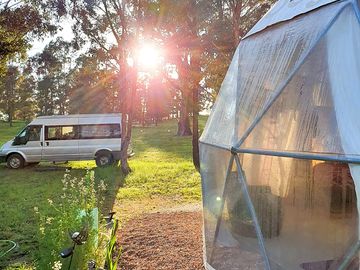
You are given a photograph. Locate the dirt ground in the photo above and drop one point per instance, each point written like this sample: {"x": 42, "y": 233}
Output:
{"x": 164, "y": 240}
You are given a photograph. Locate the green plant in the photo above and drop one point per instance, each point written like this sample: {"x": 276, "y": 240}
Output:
{"x": 111, "y": 262}
{"x": 76, "y": 210}
{"x": 20, "y": 266}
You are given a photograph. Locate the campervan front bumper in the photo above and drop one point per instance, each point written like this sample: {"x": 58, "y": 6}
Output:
{"x": 2, "y": 158}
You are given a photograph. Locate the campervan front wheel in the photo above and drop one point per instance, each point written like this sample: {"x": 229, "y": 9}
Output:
{"x": 15, "y": 161}
{"x": 104, "y": 159}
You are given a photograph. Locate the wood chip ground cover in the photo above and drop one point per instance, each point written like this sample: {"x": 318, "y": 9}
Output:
{"x": 163, "y": 240}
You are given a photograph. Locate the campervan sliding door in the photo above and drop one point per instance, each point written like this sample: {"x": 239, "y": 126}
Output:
{"x": 61, "y": 143}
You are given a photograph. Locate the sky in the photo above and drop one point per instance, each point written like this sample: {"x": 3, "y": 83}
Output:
{"x": 66, "y": 33}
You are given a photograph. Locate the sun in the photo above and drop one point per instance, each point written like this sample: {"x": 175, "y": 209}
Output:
{"x": 149, "y": 56}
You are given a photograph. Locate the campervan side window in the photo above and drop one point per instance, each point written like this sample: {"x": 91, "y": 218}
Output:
{"x": 60, "y": 133}
{"x": 34, "y": 133}
{"x": 100, "y": 131}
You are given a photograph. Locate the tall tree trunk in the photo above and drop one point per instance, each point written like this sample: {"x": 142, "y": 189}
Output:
{"x": 195, "y": 63}
{"x": 10, "y": 118}
{"x": 184, "y": 121}
{"x": 236, "y": 21}
{"x": 125, "y": 168}
{"x": 195, "y": 136}
{"x": 219, "y": 4}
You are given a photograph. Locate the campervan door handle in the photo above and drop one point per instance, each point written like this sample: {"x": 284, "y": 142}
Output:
{"x": 47, "y": 143}
{"x": 41, "y": 143}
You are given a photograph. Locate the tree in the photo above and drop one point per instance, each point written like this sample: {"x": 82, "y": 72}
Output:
{"x": 20, "y": 22}
{"x": 52, "y": 66}
{"x": 185, "y": 24}
{"x": 113, "y": 27}
{"x": 9, "y": 92}
{"x": 26, "y": 107}
{"x": 229, "y": 21}
{"x": 203, "y": 36}
{"x": 93, "y": 89}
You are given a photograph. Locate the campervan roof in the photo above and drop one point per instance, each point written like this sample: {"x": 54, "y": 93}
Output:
{"x": 75, "y": 119}
{"x": 285, "y": 10}
{"x": 80, "y": 116}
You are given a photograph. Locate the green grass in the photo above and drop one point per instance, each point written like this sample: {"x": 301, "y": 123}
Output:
{"x": 162, "y": 165}
{"x": 163, "y": 175}
{"x": 7, "y": 132}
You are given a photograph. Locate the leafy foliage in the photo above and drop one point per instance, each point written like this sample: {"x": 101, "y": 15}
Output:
{"x": 111, "y": 262}
{"x": 52, "y": 67}
{"x": 20, "y": 22}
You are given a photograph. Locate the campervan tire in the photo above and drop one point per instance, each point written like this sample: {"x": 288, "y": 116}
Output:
{"x": 103, "y": 159}
{"x": 15, "y": 161}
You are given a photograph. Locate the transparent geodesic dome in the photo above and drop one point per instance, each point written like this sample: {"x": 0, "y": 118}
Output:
{"x": 281, "y": 148}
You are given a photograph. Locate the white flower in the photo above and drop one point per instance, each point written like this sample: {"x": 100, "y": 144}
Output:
{"x": 72, "y": 183}
{"x": 50, "y": 202}
{"x": 49, "y": 220}
{"x": 57, "y": 265}
{"x": 102, "y": 185}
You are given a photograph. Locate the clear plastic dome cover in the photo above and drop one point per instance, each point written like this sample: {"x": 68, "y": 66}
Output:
{"x": 280, "y": 150}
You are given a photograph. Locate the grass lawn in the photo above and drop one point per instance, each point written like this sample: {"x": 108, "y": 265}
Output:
{"x": 163, "y": 175}
{"x": 7, "y": 132}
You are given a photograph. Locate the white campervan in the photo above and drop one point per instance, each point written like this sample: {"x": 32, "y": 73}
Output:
{"x": 66, "y": 138}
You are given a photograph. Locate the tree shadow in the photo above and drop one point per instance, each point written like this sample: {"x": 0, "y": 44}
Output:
{"x": 114, "y": 179}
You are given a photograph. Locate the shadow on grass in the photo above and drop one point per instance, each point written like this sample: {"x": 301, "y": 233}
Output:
{"x": 114, "y": 179}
